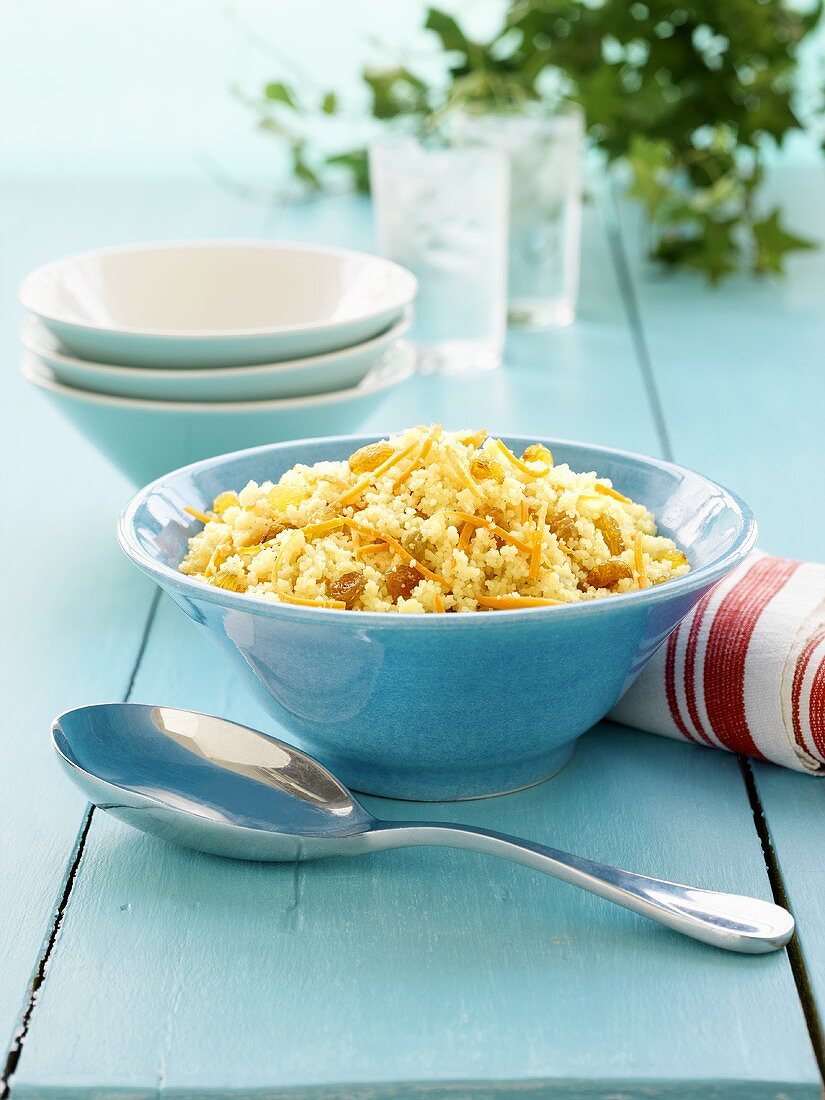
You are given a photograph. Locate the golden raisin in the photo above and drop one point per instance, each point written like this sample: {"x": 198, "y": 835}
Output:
{"x": 275, "y": 528}
{"x": 282, "y": 496}
{"x": 611, "y": 534}
{"x": 676, "y": 557}
{"x": 224, "y": 501}
{"x": 369, "y": 458}
{"x": 401, "y": 580}
{"x": 231, "y": 582}
{"x": 347, "y": 588}
{"x": 537, "y": 452}
{"x": 608, "y": 573}
{"x": 417, "y": 545}
{"x": 482, "y": 467}
{"x": 563, "y": 527}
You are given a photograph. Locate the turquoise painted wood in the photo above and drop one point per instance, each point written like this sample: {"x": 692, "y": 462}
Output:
{"x": 74, "y": 613}
{"x": 743, "y": 388}
{"x": 430, "y": 972}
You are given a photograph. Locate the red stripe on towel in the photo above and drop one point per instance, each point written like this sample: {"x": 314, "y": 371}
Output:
{"x": 816, "y": 707}
{"x": 802, "y": 662}
{"x": 727, "y": 649}
{"x": 670, "y": 685}
{"x": 690, "y": 666}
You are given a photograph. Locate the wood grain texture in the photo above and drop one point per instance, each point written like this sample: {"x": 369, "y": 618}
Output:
{"x": 741, "y": 378}
{"x": 74, "y": 611}
{"x": 430, "y": 973}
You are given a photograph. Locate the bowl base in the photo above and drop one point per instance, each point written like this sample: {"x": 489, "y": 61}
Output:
{"x": 495, "y": 783}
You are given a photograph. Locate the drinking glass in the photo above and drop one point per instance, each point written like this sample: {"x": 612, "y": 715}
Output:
{"x": 443, "y": 213}
{"x": 544, "y": 151}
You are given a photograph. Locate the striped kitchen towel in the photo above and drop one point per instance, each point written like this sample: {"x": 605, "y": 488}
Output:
{"x": 745, "y": 671}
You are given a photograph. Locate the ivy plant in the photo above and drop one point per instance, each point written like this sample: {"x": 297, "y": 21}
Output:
{"x": 688, "y": 95}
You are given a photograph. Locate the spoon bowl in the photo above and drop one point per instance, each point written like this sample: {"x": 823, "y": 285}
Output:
{"x": 206, "y": 783}
{"x": 210, "y": 784}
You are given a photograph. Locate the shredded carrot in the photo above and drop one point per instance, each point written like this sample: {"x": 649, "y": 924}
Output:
{"x": 538, "y": 543}
{"x": 476, "y": 439}
{"x": 491, "y": 525}
{"x": 402, "y": 551}
{"x": 463, "y": 474}
{"x": 466, "y": 533}
{"x": 356, "y": 490}
{"x": 370, "y": 548}
{"x": 316, "y": 530}
{"x": 639, "y": 561}
{"x": 338, "y": 605}
{"x": 525, "y": 469}
{"x": 277, "y": 563}
{"x": 525, "y": 511}
{"x": 439, "y": 603}
{"x": 218, "y": 557}
{"x": 417, "y": 459}
{"x": 607, "y": 491}
{"x": 514, "y": 602}
{"x": 202, "y": 516}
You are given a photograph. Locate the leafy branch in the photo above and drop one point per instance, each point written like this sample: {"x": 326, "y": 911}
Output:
{"x": 686, "y": 95}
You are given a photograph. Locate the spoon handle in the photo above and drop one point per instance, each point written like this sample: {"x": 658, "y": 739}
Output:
{"x": 730, "y": 921}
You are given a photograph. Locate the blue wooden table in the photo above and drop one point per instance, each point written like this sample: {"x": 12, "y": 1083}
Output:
{"x": 129, "y": 968}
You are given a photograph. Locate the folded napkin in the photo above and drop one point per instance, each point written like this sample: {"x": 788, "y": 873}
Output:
{"x": 745, "y": 671}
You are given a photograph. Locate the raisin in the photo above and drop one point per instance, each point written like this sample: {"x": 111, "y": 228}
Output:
{"x": 482, "y": 467}
{"x": 537, "y": 453}
{"x": 418, "y": 546}
{"x": 607, "y": 573}
{"x": 347, "y": 588}
{"x": 563, "y": 527}
{"x": 610, "y": 533}
{"x": 401, "y": 580}
{"x": 369, "y": 458}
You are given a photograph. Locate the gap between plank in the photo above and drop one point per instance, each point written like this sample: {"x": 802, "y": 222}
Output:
{"x": 634, "y": 317}
{"x": 629, "y": 298}
{"x": 780, "y": 896}
{"x": 16, "y": 1050}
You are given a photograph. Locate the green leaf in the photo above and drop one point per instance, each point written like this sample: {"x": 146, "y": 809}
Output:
{"x": 396, "y": 92}
{"x": 713, "y": 252}
{"x": 445, "y": 26}
{"x": 277, "y": 92}
{"x": 772, "y": 243}
{"x": 302, "y": 168}
{"x": 357, "y": 163}
{"x": 329, "y": 104}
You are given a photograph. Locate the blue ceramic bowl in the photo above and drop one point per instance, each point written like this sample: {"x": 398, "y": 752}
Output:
{"x": 143, "y": 438}
{"x": 440, "y": 706}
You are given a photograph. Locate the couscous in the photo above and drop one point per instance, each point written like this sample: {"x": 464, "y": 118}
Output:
{"x": 431, "y": 521}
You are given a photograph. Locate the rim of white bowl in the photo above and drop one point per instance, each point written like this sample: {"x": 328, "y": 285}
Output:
{"x": 400, "y": 367}
{"x": 29, "y": 339}
{"x": 698, "y": 578}
{"x": 408, "y": 282}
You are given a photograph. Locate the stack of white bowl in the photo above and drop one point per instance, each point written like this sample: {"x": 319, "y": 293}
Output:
{"x": 166, "y": 354}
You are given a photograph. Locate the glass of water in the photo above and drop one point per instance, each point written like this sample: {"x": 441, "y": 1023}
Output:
{"x": 443, "y": 213}
{"x": 545, "y": 151}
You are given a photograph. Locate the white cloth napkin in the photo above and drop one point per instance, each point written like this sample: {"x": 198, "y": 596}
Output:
{"x": 745, "y": 671}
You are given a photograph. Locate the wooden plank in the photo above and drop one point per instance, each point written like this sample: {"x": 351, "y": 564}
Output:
{"x": 74, "y": 611}
{"x": 407, "y": 972}
{"x": 740, "y": 374}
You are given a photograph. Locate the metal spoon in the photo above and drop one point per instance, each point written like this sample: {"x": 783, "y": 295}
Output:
{"x": 212, "y": 785}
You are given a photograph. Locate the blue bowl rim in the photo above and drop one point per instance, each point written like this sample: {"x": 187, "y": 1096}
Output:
{"x": 168, "y": 577}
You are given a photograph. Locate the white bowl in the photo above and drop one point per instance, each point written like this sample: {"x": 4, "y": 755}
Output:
{"x": 294, "y": 378}
{"x": 147, "y": 438}
{"x": 216, "y": 303}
